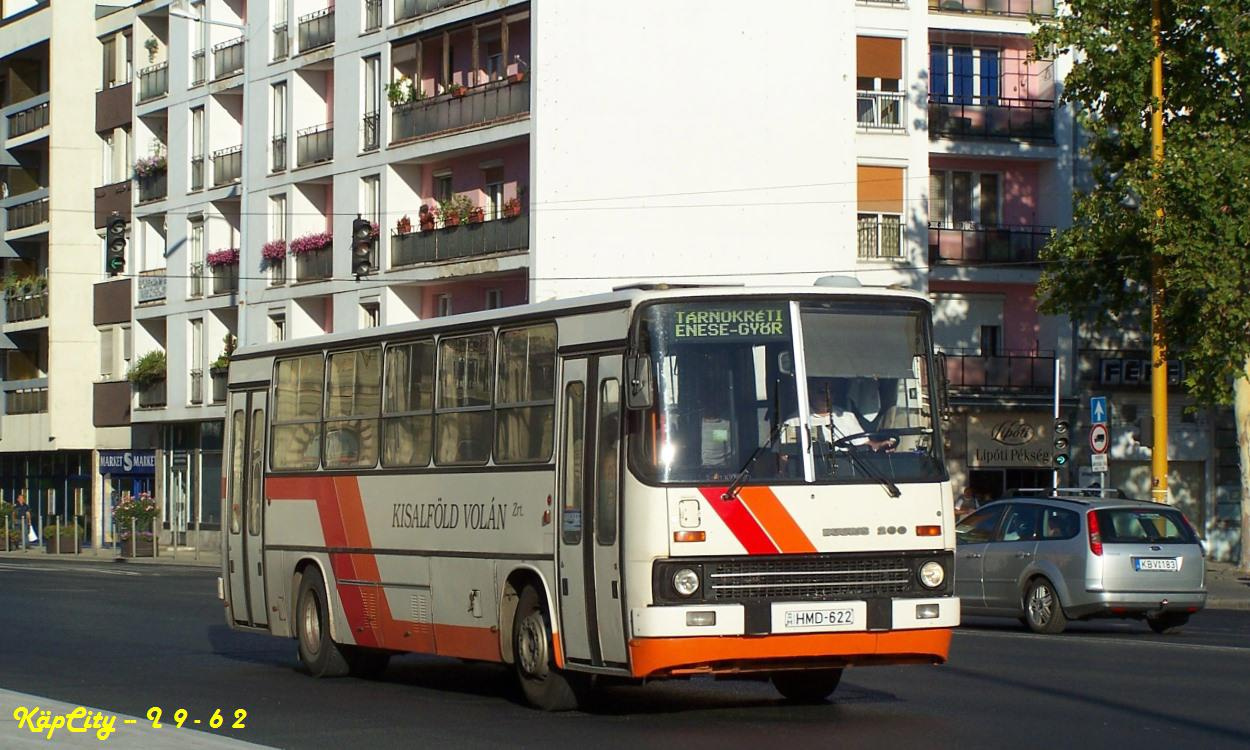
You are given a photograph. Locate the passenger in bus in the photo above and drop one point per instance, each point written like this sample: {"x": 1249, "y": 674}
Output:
{"x": 715, "y": 430}
{"x": 843, "y": 407}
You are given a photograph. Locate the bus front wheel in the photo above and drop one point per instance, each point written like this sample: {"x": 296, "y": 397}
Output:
{"x": 318, "y": 653}
{"x": 543, "y": 685}
{"x": 810, "y": 686}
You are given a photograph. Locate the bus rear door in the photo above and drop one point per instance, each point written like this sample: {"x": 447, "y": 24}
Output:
{"x": 245, "y": 511}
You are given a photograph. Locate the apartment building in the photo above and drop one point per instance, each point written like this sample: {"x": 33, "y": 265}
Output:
{"x": 48, "y": 252}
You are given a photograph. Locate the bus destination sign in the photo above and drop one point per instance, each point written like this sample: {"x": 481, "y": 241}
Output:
{"x": 730, "y": 323}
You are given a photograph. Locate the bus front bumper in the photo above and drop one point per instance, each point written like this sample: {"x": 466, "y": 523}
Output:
{"x": 675, "y": 640}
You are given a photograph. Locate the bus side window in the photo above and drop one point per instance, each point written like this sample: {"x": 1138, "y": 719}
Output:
{"x": 574, "y": 442}
{"x": 525, "y": 399}
{"x": 353, "y": 399}
{"x": 462, "y": 414}
{"x": 237, "y": 433}
{"x": 296, "y": 434}
{"x": 608, "y": 472}
{"x": 407, "y": 405}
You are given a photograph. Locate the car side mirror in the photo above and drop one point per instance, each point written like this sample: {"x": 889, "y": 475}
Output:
{"x": 638, "y": 381}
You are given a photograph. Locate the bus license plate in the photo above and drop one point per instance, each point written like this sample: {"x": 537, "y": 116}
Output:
{"x": 1156, "y": 563}
{"x": 815, "y": 617}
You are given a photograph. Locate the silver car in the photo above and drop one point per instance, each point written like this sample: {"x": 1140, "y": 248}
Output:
{"x": 1047, "y": 560}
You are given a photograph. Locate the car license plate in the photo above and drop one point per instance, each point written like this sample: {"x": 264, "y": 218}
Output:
{"x": 820, "y": 618}
{"x": 1156, "y": 563}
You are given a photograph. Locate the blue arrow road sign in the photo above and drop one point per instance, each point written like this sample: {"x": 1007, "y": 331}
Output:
{"x": 1098, "y": 409}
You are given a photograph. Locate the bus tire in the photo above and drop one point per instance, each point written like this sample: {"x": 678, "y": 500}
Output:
{"x": 543, "y": 686}
{"x": 317, "y": 652}
{"x": 807, "y": 686}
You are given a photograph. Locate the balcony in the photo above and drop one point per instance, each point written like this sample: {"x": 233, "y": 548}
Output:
{"x": 26, "y": 396}
{"x": 373, "y": 15}
{"x": 152, "y": 187}
{"x": 406, "y": 9}
{"x": 150, "y": 286}
{"x": 31, "y": 305}
{"x": 110, "y": 403}
{"x": 314, "y": 145}
{"x": 465, "y": 241}
{"x": 153, "y": 396}
{"x": 28, "y": 120}
{"x": 369, "y": 131}
{"x": 113, "y": 106}
{"x": 1019, "y": 8}
{"x": 197, "y": 173}
{"x": 227, "y": 165}
{"x": 199, "y": 67}
{"x": 879, "y": 110}
{"x": 1008, "y": 119}
{"x": 28, "y": 214}
{"x": 281, "y": 41}
{"x": 316, "y": 29}
{"x": 110, "y": 199}
{"x": 279, "y": 154}
{"x": 153, "y": 82}
{"x": 225, "y": 278}
{"x": 479, "y": 105}
{"x": 316, "y": 265}
{"x": 986, "y": 245}
{"x": 227, "y": 58}
{"x": 1011, "y": 371}
{"x": 197, "y": 387}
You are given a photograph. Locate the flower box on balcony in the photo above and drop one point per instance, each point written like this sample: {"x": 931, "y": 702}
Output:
{"x": 512, "y": 208}
{"x": 310, "y": 243}
{"x": 516, "y": 77}
{"x": 273, "y": 252}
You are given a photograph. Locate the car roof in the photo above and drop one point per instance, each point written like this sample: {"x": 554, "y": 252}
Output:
{"x": 1084, "y": 496}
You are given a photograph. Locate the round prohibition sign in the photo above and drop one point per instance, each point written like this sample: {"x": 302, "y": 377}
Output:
{"x": 1099, "y": 438}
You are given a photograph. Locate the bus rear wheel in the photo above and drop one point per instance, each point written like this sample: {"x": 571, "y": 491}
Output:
{"x": 317, "y": 652}
{"x": 543, "y": 685}
{"x": 809, "y": 686}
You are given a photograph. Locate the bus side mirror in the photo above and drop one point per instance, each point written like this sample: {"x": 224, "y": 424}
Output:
{"x": 944, "y": 388}
{"x": 638, "y": 381}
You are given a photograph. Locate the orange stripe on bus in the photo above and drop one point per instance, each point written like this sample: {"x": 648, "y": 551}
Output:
{"x": 712, "y": 654}
{"x": 467, "y": 642}
{"x": 775, "y": 519}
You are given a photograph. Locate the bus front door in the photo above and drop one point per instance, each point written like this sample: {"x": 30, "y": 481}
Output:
{"x": 245, "y": 508}
{"x": 591, "y": 596}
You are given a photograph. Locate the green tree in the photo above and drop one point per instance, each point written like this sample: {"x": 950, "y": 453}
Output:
{"x": 1203, "y": 189}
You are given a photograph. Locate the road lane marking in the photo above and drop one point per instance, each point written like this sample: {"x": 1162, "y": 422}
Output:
{"x": 1080, "y": 638}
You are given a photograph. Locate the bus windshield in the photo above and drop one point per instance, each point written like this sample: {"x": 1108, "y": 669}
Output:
{"x": 817, "y": 391}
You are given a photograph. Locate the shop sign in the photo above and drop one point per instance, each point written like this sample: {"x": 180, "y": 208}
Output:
{"x": 127, "y": 462}
{"x": 1135, "y": 372}
{"x": 1009, "y": 440}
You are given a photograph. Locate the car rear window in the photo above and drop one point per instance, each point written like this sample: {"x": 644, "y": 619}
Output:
{"x": 1143, "y": 526}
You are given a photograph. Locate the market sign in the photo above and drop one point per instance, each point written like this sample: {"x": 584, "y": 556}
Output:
{"x": 128, "y": 462}
{"x": 1010, "y": 440}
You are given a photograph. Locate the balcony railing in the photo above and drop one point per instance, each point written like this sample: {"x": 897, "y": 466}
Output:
{"x": 373, "y": 15}
{"x": 195, "y": 280}
{"x": 281, "y": 41}
{"x": 199, "y": 67}
{"x": 28, "y": 214}
{"x": 152, "y": 396}
{"x": 279, "y": 154}
{"x": 31, "y": 306}
{"x": 151, "y": 286}
{"x": 405, "y": 9}
{"x": 369, "y": 131}
{"x": 316, "y": 29}
{"x": 880, "y": 236}
{"x": 1001, "y": 371}
{"x": 314, "y": 145}
{"x": 1019, "y": 119}
{"x": 480, "y": 105}
{"x": 879, "y": 110}
{"x": 28, "y": 120}
{"x": 317, "y": 265}
{"x": 986, "y": 245}
{"x": 197, "y": 387}
{"x": 152, "y": 187}
{"x": 465, "y": 241}
{"x": 21, "y": 399}
{"x": 153, "y": 82}
{"x": 225, "y": 279}
{"x": 197, "y": 172}
{"x": 227, "y": 58}
{"x": 227, "y": 165}
{"x": 1022, "y": 8}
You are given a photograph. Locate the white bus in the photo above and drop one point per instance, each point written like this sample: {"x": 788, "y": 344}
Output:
{"x": 651, "y": 483}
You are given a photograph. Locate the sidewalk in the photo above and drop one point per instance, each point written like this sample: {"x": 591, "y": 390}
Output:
{"x": 1227, "y": 587}
{"x": 168, "y": 556}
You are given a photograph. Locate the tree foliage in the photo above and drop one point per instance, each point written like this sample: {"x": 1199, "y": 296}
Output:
{"x": 1101, "y": 266}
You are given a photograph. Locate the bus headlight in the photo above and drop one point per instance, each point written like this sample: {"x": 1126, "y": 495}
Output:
{"x": 932, "y": 574}
{"x": 686, "y": 582}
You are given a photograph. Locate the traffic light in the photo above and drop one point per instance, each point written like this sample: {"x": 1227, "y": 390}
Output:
{"x": 1061, "y": 443}
{"x": 362, "y": 246}
{"x": 115, "y": 244}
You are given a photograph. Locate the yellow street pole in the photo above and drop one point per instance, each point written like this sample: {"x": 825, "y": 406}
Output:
{"x": 1158, "y": 341}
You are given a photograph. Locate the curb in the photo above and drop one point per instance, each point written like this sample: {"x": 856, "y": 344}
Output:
{"x": 1228, "y": 604}
{"x": 164, "y": 560}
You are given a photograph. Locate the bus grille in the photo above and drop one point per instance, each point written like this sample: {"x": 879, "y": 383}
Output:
{"x": 814, "y": 578}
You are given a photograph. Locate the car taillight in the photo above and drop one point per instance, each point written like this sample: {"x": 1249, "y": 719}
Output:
{"x": 1095, "y": 538}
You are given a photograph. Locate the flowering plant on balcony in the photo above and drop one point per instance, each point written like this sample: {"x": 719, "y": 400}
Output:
{"x": 147, "y": 166}
{"x": 455, "y": 89}
{"x": 273, "y": 251}
{"x": 512, "y": 208}
{"x": 148, "y": 370}
{"x": 311, "y": 243}
{"x": 426, "y": 217}
{"x": 404, "y": 225}
{"x": 477, "y": 215}
{"x": 226, "y": 257}
{"x": 455, "y": 210}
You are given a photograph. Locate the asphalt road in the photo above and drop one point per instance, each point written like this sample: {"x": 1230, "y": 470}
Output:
{"x": 127, "y": 638}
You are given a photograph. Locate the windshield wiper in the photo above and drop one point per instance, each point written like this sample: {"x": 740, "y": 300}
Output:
{"x": 852, "y": 452}
{"x": 745, "y": 472}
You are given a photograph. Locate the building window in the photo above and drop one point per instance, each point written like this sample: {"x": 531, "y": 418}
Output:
{"x": 494, "y": 60}
{"x": 276, "y": 266}
{"x": 963, "y": 75}
{"x": 879, "y": 82}
{"x": 444, "y": 305}
{"x": 109, "y": 157}
{"x": 880, "y": 215}
{"x": 195, "y": 357}
{"x": 278, "y": 132}
{"x": 107, "y": 358}
{"x": 372, "y": 93}
{"x": 492, "y": 177}
{"x": 990, "y": 338}
{"x": 195, "y": 259}
{"x": 370, "y": 314}
{"x": 965, "y": 200}
{"x": 442, "y": 186}
{"x": 197, "y": 148}
{"x": 277, "y": 327}
{"x": 494, "y": 299}
{"x": 110, "y": 62}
